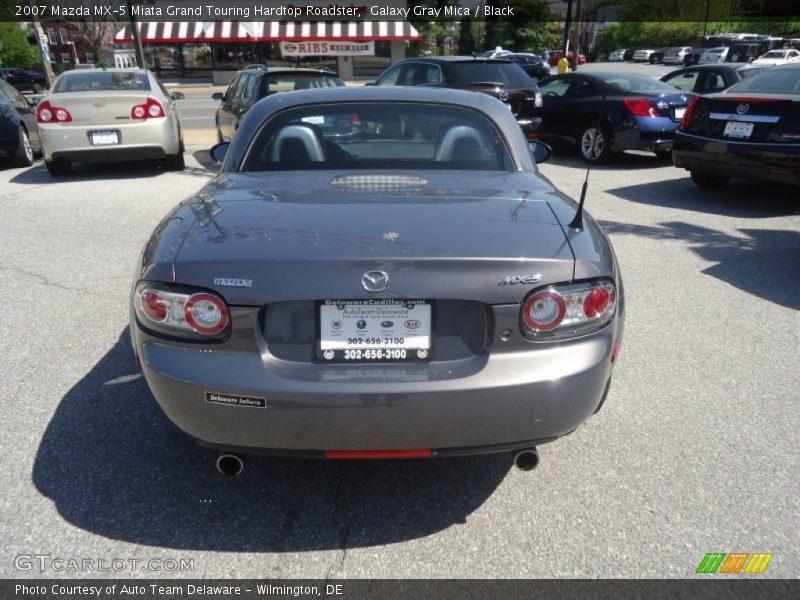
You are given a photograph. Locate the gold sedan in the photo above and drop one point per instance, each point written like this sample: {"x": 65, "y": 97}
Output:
{"x": 109, "y": 115}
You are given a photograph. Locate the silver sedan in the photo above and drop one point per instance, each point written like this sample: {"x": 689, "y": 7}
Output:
{"x": 109, "y": 115}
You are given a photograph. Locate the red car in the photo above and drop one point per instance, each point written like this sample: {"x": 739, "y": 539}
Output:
{"x": 555, "y": 56}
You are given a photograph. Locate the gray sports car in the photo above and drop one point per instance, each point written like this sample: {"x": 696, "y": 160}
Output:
{"x": 377, "y": 273}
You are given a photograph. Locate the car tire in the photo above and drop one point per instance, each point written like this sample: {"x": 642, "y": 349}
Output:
{"x": 708, "y": 181}
{"x": 58, "y": 168}
{"x": 176, "y": 162}
{"x": 592, "y": 149}
{"x": 24, "y": 155}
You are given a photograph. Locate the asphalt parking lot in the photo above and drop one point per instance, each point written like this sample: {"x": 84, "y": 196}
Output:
{"x": 695, "y": 450}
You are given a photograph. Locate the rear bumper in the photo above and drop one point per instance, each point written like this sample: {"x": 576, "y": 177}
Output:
{"x": 647, "y": 134}
{"x": 489, "y": 402}
{"x": 154, "y": 138}
{"x": 759, "y": 162}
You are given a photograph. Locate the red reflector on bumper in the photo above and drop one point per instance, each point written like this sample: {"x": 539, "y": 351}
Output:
{"x": 615, "y": 350}
{"x": 356, "y": 454}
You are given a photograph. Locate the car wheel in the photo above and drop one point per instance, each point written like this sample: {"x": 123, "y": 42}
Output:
{"x": 37, "y": 89}
{"x": 175, "y": 162}
{"x": 594, "y": 144}
{"x": 59, "y": 167}
{"x": 24, "y": 154}
{"x": 708, "y": 181}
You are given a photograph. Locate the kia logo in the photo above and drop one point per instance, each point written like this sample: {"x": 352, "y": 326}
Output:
{"x": 412, "y": 324}
{"x": 742, "y": 108}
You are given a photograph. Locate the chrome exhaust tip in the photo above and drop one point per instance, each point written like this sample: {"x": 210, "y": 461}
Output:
{"x": 526, "y": 460}
{"x": 230, "y": 465}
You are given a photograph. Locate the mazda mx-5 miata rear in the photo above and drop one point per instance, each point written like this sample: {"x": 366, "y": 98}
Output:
{"x": 412, "y": 289}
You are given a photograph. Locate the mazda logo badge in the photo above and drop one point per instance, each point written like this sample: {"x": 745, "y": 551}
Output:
{"x": 742, "y": 108}
{"x": 374, "y": 281}
{"x": 503, "y": 95}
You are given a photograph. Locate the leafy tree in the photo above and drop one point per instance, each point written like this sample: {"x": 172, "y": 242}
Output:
{"x": 466, "y": 37}
{"x": 17, "y": 51}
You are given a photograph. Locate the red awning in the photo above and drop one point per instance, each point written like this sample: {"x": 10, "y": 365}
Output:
{"x": 267, "y": 31}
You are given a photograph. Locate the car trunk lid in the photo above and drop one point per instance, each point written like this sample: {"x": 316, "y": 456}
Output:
{"x": 103, "y": 108}
{"x": 758, "y": 118}
{"x": 262, "y": 238}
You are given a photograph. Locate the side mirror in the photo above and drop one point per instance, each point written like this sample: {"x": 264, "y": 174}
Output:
{"x": 219, "y": 151}
{"x": 218, "y": 96}
{"x": 177, "y": 96}
{"x": 540, "y": 151}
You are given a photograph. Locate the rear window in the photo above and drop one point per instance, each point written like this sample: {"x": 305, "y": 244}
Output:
{"x": 290, "y": 82}
{"x": 635, "y": 83}
{"x": 378, "y": 135}
{"x": 775, "y": 54}
{"x": 507, "y": 74}
{"x": 770, "y": 81}
{"x": 101, "y": 81}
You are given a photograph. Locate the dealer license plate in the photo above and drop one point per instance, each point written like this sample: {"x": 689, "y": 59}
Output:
{"x": 375, "y": 330}
{"x": 738, "y": 129}
{"x": 679, "y": 112}
{"x": 104, "y": 138}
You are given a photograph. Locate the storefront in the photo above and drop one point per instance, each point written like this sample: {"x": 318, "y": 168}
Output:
{"x": 215, "y": 50}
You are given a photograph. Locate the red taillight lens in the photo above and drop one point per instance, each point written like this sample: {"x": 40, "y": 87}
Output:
{"x": 206, "y": 313}
{"x": 641, "y": 107}
{"x": 153, "y": 306}
{"x": 687, "y": 116}
{"x": 569, "y": 309}
{"x": 544, "y": 311}
{"x": 46, "y": 113}
{"x": 179, "y": 312}
{"x": 152, "y": 109}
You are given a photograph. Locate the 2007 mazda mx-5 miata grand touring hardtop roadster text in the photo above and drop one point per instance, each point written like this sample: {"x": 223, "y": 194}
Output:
{"x": 377, "y": 273}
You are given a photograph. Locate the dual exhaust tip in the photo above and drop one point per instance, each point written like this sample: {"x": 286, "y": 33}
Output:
{"x": 232, "y": 465}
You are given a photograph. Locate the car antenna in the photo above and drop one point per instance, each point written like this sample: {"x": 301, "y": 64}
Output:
{"x": 577, "y": 220}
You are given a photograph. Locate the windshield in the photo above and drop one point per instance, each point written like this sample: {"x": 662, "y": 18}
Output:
{"x": 634, "y": 83}
{"x": 289, "y": 82}
{"x": 101, "y": 81}
{"x": 715, "y": 51}
{"x": 771, "y": 81}
{"x": 378, "y": 135}
{"x": 503, "y": 73}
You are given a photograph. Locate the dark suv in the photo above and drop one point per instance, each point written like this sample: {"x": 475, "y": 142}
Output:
{"x": 253, "y": 83}
{"x": 497, "y": 77}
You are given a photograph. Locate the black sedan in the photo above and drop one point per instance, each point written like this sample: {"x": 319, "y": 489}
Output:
{"x": 24, "y": 80}
{"x": 19, "y": 136}
{"x": 607, "y": 112}
{"x": 256, "y": 82}
{"x": 533, "y": 65}
{"x": 751, "y": 131}
{"x": 710, "y": 79}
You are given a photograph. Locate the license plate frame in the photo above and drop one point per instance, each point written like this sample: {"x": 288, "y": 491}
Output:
{"x": 405, "y": 339}
{"x": 740, "y": 130}
{"x": 105, "y": 137}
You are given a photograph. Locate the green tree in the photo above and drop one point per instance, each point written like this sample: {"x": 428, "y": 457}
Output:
{"x": 466, "y": 38}
{"x": 17, "y": 51}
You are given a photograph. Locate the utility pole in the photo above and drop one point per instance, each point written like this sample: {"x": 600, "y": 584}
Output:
{"x": 137, "y": 41}
{"x": 577, "y": 49}
{"x": 44, "y": 50}
{"x": 567, "y": 22}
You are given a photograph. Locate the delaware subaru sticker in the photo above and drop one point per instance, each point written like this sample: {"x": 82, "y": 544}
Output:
{"x": 229, "y": 400}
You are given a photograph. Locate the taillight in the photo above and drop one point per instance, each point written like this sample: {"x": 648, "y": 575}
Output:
{"x": 181, "y": 312}
{"x": 151, "y": 109}
{"x": 568, "y": 309}
{"x": 641, "y": 107}
{"x": 47, "y": 113}
{"x": 687, "y": 116}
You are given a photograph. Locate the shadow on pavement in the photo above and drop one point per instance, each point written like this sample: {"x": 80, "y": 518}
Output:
{"x": 204, "y": 158}
{"x": 114, "y": 466}
{"x": 745, "y": 199}
{"x": 765, "y": 263}
{"x": 82, "y": 171}
{"x": 566, "y": 155}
